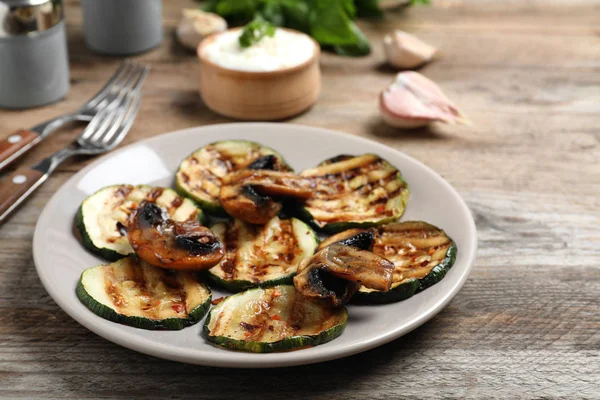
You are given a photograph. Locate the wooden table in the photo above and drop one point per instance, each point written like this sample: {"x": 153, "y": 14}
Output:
{"x": 527, "y": 322}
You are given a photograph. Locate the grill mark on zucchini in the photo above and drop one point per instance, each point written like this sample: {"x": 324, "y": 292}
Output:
{"x": 176, "y": 290}
{"x": 262, "y": 318}
{"x": 111, "y": 289}
{"x": 124, "y": 191}
{"x": 231, "y": 240}
{"x": 178, "y": 201}
{"x": 261, "y": 255}
{"x": 363, "y": 190}
{"x": 297, "y": 315}
{"x": 154, "y": 194}
{"x": 141, "y": 282}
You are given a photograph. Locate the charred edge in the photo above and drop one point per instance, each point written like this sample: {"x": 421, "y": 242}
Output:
{"x": 362, "y": 241}
{"x": 121, "y": 228}
{"x": 142, "y": 285}
{"x": 267, "y": 162}
{"x": 155, "y": 194}
{"x": 336, "y": 159}
{"x": 328, "y": 285}
{"x": 123, "y": 191}
{"x": 198, "y": 245}
{"x": 150, "y": 215}
{"x": 257, "y": 199}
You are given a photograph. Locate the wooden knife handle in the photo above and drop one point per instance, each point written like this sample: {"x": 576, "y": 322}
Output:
{"x": 16, "y": 188}
{"x": 16, "y": 144}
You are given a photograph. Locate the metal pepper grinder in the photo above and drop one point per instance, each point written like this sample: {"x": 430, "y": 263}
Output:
{"x": 34, "y": 64}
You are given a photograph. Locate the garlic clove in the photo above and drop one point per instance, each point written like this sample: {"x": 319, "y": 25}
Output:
{"x": 405, "y": 51}
{"x": 413, "y": 101}
{"x": 195, "y": 25}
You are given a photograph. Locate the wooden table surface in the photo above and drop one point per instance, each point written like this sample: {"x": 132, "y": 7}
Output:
{"x": 527, "y": 322}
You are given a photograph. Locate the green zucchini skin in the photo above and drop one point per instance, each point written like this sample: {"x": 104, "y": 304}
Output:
{"x": 106, "y": 252}
{"x": 303, "y": 209}
{"x": 87, "y": 242}
{"x": 439, "y": 271}
{"x": 104, "y": 311}
{"x": 301, "y": 231}
{"x": 285, "y": 344}
{"x": 401, "y": 292}
{"x": 211, "y": 205}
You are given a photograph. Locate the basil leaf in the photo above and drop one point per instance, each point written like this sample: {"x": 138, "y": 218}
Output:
{"x": 210, "y": 6}
{"x": 361, "y": 48}
{"x": 237, "y": 10}
{"x": 296, "y": 14}
{"x": 368, "y": 8}
{"x": 271, "y": 11}
{"x": 255, "y": 31}
{"x": 330, "y": 23}
{"x": 350, "y": 8}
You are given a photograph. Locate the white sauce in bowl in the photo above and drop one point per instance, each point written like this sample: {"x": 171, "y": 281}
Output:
{"x": 284, "y": 50}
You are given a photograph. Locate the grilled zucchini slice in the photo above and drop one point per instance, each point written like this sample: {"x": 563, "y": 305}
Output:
{"x": 102, "y": 218}
{"x": 261, "y": 255}
{"x": 422, "y": 255}
{"x": 265, "y": 320}
{"x": 200, "y": 174}
{"x": 352, "y": 192}
{"x": 134, "y": 293}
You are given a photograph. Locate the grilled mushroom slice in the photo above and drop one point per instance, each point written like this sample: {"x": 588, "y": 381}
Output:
{"x": 336, "y": 272}
{"x": 252, "y": 194}
{"x": 165, "y": 243}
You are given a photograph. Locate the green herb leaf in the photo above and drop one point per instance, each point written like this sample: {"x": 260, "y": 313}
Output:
{"x": 210, "y": 5}
{"x": 255, "y": 31}
{"x": 271, "y": 11}
{"x": 330, "y": 23}
{"x": 368, "y": 9}
{"x": 361, "y": 48}
{"x": 229, "y": 8}
{"x": 296, "y": 14}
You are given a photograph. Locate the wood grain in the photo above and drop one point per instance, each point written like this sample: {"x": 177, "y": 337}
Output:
{"x": 526, "y": 324}
{"x": 17, "y": 143}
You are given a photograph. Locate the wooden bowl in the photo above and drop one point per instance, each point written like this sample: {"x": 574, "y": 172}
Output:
{"x": 259, "y": 95}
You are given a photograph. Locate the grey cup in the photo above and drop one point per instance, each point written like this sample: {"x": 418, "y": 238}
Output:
{"x": 122, "y": 27}
{"x": 34, "y": 69}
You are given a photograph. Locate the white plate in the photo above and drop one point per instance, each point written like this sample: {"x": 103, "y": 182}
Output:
{"x": 60, "y": 258}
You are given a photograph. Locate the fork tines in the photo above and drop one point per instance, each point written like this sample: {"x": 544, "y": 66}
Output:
{"x": 118, "y": 108}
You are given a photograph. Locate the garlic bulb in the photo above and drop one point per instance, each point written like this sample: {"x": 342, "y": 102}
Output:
{"x": 413, "y": 101}
{"x": 195, "y": 25}
{"x": 405, "y": 51}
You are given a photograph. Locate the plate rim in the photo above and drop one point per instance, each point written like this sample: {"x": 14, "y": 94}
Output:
{"x": 164, "y": 351}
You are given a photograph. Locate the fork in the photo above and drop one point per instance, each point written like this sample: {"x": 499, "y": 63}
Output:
{"x": 21, "y": 141}
{"x": 105, "y": 131}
